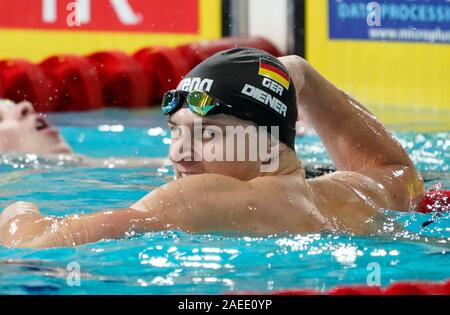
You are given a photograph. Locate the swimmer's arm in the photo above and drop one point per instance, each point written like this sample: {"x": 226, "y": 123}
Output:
{"x": 20, "y": 227}
{"x": 198, "y": 203}
{"x": 354, "y": 138}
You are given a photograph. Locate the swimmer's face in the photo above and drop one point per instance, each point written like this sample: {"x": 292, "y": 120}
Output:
{"x": 190, "y": 156}
{"x": 22, "y": 130}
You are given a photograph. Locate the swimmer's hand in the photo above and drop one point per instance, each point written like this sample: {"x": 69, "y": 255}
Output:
{"x": 297, "y": 68}
{"x": 20, "y": 223}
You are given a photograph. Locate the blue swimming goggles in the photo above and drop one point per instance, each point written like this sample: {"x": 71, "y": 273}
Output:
{"x": 199, "y": 102}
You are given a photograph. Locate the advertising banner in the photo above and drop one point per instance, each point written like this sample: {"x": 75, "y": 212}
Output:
{"x": 390, "y": 20}
{"x": 389, "y": 54}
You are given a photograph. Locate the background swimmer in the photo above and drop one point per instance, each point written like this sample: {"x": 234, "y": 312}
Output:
{"x": 23, "y": 131}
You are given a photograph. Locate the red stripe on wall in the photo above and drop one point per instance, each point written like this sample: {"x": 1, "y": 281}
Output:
{"x": 168, "y": 16}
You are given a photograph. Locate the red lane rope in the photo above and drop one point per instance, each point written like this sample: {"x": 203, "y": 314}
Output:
{"x": 398, "y": 288}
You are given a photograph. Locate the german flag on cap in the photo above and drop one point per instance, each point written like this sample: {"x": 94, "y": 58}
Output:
{"x": 273, "y": 71}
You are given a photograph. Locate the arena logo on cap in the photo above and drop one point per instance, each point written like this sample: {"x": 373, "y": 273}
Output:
{"x": 191, "y": 84}
{"x": 272, "y": 71}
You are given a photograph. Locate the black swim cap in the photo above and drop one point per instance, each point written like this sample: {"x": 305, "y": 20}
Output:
{"x": 254, "y": 82}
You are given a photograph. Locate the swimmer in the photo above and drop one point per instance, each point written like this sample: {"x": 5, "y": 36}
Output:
{"x": 23, "y": 131}
{"x": 245, "y": 87}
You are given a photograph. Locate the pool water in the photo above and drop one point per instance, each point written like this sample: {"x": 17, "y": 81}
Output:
{"x": 174, "y": 262}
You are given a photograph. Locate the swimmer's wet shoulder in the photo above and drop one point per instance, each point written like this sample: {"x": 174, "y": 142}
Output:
{"x": 342, "y": 201}
{"x": 211, "y": 202}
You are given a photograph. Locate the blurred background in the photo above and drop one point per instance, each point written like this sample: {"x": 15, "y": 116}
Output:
{"x": 65, "y": 55}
